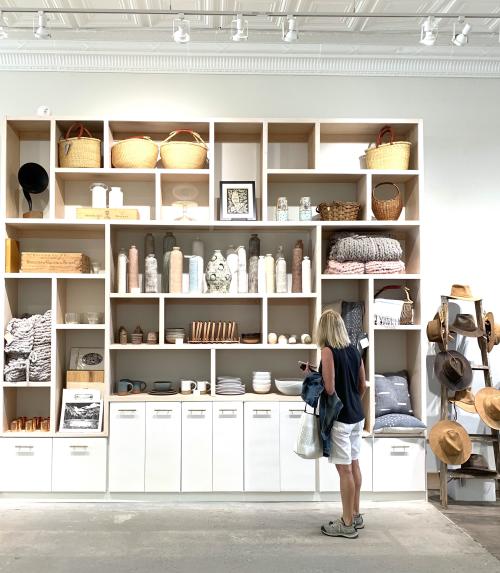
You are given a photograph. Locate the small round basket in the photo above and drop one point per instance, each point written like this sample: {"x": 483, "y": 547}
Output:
{"x": 135, "y": 153}
{"x": 338, "y": 211}
{"x": 183, "y": 154}
{"x": 387, "y": 209}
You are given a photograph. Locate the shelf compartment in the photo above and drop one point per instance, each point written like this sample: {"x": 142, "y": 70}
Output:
{"x": 30, "y": 296}
{"x": 185, "y": 185}
{"x": 25, "y": 141}
{"x": 153, "y": 366}
{"x": 320, "y": 189}
{"x": 343, "y": 142}
{"x": 291, "y": 145}
{"x": 415, "y": 295}
{"x": 293, "y": 316}
{"x": 131, "y": 313}
{"x": 72, "y": 191}
{"x": 238, "y": 156}
{"x": 409, "y": 188}
{"x": 25, "y": 401}
{"x": 79, "y": 296}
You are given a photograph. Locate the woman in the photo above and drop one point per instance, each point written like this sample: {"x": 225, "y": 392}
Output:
{"x": 343, "y": 372}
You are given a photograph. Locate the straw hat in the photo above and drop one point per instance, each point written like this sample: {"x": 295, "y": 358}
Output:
{"x": 477, "y": 465}
{"x": 492, "y": 331}
{"x": 464, "y": 399}
{"x": 462, "y": 292}
{"x": 453, "y": 370}
{"x": 488, "y": 407}
{"x": 450, "y": 442}
{"x": 465, "y": 325}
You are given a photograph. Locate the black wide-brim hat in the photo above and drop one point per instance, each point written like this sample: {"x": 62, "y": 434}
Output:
{"x": 453, "y": 370}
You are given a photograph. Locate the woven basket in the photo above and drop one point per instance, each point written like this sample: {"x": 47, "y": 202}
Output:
{"x": 135, "y": 153}
{"x": 79, "y": 151}
{"x": 393, "y": 155}
{"x": 183, "y": 154}
{"x": 407, "y": 310}
{"x": 387, "y": 209}
{"x": 338, "y": 211}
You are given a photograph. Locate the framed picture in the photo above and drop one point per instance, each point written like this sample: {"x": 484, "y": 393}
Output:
{"x": 237, "y": 201}
{"x": 81, "y": 411}
{"x": 86, "y": 359}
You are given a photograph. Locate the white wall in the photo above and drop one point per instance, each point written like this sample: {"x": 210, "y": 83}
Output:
{"x": 462, "y": 145}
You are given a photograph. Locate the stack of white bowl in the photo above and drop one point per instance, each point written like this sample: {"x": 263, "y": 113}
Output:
{"x": 261, "y": 382}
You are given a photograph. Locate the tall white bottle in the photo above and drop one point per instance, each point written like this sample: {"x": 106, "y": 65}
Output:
{"x": 261, "y": 275}
{"x": 122, "y": 272}
{"x": 232, "y": 261}
{"x": 242, "y": 270}
{"x": 306, "y": 275}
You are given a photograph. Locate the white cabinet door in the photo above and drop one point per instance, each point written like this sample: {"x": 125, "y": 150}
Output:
{"x": 329, "y": 476}
{"x": 399, "y": 464}
{"x": 262, "y": 446}
{"x": 196, "y": 446}
{"x": 127, "y": 433}
{"x": 26, "y": 464}
{"x": 163, "y": 446}
{"x": 79, "y": 464}
{"x": 296, "y": 473}
{"x": 228, "y": 446}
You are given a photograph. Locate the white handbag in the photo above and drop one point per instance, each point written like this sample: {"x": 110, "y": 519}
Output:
{"x": 309, "y": 445}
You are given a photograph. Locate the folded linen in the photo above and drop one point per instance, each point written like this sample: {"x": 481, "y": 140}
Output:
{"x": 364, "y": 248}
{"x": 345, "y": 268}
{"x": 385, "y": 267}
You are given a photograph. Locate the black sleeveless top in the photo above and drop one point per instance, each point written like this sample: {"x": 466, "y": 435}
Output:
{"x": 347, "y": 362}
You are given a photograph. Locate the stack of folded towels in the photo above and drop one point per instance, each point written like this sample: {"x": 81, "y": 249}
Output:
{"x": 356, "y": 253}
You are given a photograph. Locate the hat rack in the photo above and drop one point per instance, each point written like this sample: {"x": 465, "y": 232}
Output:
{"x": 445, "y": 474}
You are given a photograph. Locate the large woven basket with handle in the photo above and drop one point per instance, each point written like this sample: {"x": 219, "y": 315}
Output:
{"x": 407, "y": 308}
{"x": 387, "y": 209}
{"x": 183, "y": 154}
{"x": 135, "y": 153}
{"x": 79, "y": 151}
{"x": 394, "y": 155}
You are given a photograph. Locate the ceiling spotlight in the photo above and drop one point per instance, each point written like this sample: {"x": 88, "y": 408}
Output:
{"x": 239, "y": 29}
{"x": 3, "y": 27}
{"x": 181, "y": 28}
{"x": 461, "y": 38}
{"x": 41, "y": 32}
{"x": 292, "y": 34}
{"x": 429, "y": 32}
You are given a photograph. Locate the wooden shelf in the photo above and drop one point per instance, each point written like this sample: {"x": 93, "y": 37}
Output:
{"x": 26, "y": 384}
{"x": 218, "y": 346}
{"x": 416, "y": 327}
{"x": 80, "y": 326}
{"x": 78, "y": 276}
{"x": 213, "y": 296}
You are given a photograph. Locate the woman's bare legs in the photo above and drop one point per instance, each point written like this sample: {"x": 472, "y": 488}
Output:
{"x": 356, "y": 474}
{"x": 347, "y": 491}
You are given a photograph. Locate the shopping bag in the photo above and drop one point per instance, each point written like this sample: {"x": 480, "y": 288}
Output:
{"x": 309, "y": 445}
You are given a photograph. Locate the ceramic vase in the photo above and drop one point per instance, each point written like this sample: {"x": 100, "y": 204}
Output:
{"x": 270, "y": 274}
{"x": 151, "y": 274}
{"x": 169, "y": 242}
{"x": 254, "y": 246}
{"x": 281, "y": 282}
{"x": 306, "y": 275}
{"x": 133, "y": 270}
{"x": 232, "y": 261}
{"x": 194, "y": 283}
{"x": 242, "y": 270}
{"x": 305, "y": 213}
{"x": 175, "y": 270}
{"x": 261, "y": 275}
{"x": 149, "y": 244}
{"x": 122, "y": 272}
{"x": 218, "y": 274}
{"x": 115, "y": 198}
{"x": 297, "y": 256}
{"x": 253, "y": 274}
{"x": 282, "y": 209}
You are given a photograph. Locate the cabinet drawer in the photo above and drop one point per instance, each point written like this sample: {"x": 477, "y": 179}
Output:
{"x": 399, "y": 464}
{"x": 26, "y": 464}
{"x": 163, "y": 446}
{"x": 228, "y": 446}
{"x": 127, "y": 433}
{"x": 296, "y": 474}
{"x": 262, "y": 446}
{"x": 79, "y": 464}
{"x": 196, "y": 446}
{"x": 329, "y": 476}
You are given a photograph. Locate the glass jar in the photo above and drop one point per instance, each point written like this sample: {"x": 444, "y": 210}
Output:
{"x": 282, "y": 209}
{"x": 305, "y": 213}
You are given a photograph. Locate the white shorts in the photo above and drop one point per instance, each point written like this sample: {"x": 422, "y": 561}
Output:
{"x": 346, "y": 442}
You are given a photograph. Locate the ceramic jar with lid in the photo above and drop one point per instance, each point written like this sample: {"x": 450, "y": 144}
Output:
{"x": 99, "y": 192}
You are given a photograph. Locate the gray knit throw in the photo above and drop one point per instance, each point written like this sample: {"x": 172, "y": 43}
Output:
{"x": 363, "y": 248}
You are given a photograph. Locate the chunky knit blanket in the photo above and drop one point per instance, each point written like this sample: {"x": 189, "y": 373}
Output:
{"x": 385, "y": 267}
{"x": 363, "y": 248}
{"x": 347, "y": 268}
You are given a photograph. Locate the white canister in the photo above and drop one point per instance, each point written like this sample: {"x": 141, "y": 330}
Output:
{"x": 270, "y": 274}
{"x": 115, "y": 198}
{"x": 122, "y": 272}
{"x": 306, "y": 275}
{"x": 99, "y": 193}
{"x": 281, "y": 278}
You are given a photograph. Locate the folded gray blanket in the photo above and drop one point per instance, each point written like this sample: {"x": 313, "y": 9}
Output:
{"x": 363, "y": 248}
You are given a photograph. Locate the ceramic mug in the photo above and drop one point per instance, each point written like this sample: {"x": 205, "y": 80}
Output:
{"x": 187, "y": 386}
{"x": 203, "y": 386}
{"x": 162, "y": 385}
{"x": 124, "y": 387}
{"x": 139, "y": 386}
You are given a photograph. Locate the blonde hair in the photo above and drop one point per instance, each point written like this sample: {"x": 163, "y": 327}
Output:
{"x": 331, "y": 330}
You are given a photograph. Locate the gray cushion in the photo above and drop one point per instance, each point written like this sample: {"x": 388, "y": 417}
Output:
{"x": 391, "y": 394}
{"x": 397, "y": 422}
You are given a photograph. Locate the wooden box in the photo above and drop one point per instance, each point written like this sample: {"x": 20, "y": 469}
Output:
{"x": 54, "y": 263}
{"x": 121, "y": 214}
{"x": 85, "y": 376}
{"x": 12, "y": 256}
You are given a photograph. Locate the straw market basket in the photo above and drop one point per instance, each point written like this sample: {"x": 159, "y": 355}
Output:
{"x": 393, "y": 155}
{"x": 338, "y": 211}
{"x": 80, "y": 151}
{"x": 136, "y": 152}
{"x": 183, "y": 154}
{"x": 387, "y": 209}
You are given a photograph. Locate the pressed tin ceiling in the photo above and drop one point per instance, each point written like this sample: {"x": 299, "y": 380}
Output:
{"x": 381, "y": 45}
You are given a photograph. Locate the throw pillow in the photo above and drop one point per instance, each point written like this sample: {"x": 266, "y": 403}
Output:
{"x": 394, "y": 423}
{"x": 391, "y": 394}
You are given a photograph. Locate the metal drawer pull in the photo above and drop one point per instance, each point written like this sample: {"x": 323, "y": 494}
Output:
{"x": 196, "y": 411}
{"x": 400, "y": 450}
{"x": 262, "y": 411}
{"x": 228, "y": 410}
{"x": 163, "y": 411}
{"x": 296, "y": 411}
{"x": 77, "y": 447}
{"x": 129, "y": 411}
{"x": 19, "y": 447}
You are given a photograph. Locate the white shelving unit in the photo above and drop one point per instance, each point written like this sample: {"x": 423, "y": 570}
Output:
{"x": 284, "y": 157}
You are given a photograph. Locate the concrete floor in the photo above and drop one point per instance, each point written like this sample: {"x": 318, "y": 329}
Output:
{"x": 236, "y": 538}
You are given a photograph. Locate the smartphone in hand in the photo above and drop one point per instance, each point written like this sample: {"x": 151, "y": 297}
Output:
{"x": 303, "y": 366}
